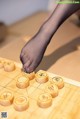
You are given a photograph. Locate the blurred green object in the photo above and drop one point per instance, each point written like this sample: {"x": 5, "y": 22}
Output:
{"x": 3, "y": 31}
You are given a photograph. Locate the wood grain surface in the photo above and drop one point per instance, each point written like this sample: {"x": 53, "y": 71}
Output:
{"x": 65, "y": 106}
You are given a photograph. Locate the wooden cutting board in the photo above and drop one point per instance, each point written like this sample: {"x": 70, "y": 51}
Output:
{"x": 65, "y": 106}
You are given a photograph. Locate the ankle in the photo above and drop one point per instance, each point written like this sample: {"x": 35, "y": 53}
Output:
{"x": 49, "y": 29}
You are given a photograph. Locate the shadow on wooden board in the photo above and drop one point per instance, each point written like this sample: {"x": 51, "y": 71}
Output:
{"x": 49, "y": 60}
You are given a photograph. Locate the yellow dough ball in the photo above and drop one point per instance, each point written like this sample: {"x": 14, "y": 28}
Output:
{"x": 52, "y": 89}
{"x": 9, "y": 66}
{"x": 21, "y": 103}
{"x": 58, "y": 81}
{"x": 41, "y": 76}
{"x": 22, "y": 82}
{"x": 44, "y": 100}
{"x": 6, "y": 98}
